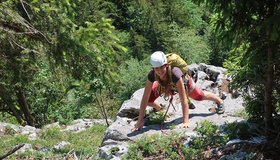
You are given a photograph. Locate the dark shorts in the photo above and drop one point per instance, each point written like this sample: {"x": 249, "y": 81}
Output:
{"x": 195, "y": 94}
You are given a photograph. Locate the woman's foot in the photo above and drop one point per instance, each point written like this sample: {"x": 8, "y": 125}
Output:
{"x": 191, "y": 106}
{"x": 220, "y": 109}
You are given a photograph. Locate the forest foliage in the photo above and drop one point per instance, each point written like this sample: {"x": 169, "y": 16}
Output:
{"x": 69, "y": 59}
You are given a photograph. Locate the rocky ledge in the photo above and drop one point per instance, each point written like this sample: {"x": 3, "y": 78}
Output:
{"x": 119, "y": 135}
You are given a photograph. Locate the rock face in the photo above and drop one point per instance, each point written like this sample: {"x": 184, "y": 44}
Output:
{"x": 118, "y": 135}
{"x": 32, "y": 133}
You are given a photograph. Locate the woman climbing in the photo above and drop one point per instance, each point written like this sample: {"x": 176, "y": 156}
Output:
{"x": 165, "y": 79}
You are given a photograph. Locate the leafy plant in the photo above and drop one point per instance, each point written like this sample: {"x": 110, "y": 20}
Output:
{"x": 156, "y": 117}
{"x": 157, "y": 145}
{"x": 167, "y": 146}
{"x": 132, "y": 76}
{"x": 51, "y": 133}
{"x": 209, "y": 135}
{"x": 114, "y": 150}
{"x": 238, "y": 130}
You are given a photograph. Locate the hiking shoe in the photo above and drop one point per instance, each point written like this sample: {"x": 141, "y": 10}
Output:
{"x": 191, "y": 106}
{"x": 220, "y": 109}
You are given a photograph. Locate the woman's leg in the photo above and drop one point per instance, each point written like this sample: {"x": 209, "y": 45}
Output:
{"x": 200, "y": 95}
{"x": 220, "y": 109}
{"x": 212, "y": 97}
{"x": 153, "y": 96}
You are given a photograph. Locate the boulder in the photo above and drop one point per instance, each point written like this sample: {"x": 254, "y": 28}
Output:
{"x": 119, "y": 134}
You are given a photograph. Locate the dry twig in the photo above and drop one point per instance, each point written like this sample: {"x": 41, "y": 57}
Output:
{"x": 12, "y": 151}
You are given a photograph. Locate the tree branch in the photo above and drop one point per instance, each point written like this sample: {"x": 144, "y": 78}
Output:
{"x": 19, "y": 25}
{"x": 24, "y": 9}
{"x": 11, "y": 151}
{"x": 23, "y": 48}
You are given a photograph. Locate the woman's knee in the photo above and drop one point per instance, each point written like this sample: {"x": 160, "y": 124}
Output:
{"x": 197, "y": 94}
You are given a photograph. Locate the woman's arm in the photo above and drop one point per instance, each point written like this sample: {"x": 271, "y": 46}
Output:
{"x": 143, "y": 105}
{"x": 184, "y": 102}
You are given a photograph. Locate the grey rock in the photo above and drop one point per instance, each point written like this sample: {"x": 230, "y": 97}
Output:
{"x": 26, "y": 147}
{"x": 210, "y": 78}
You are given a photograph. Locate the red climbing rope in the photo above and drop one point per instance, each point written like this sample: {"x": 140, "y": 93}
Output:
{"x": 167, "y": 134}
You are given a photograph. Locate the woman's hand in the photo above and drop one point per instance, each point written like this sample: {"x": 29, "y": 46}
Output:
{"x": 184, "y": 103}
{"x": 143, "y": 105}
{"x": 138, "y": 125}
{"x": 185, "y": 125}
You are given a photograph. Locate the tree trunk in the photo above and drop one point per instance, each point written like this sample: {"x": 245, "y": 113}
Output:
{"x": 16, "y": 113}
{"x": 24, "y": 107}
{"x": 102, "y": 107}
{"x": 268, "y": 91}
{"x": 7, "y": 100}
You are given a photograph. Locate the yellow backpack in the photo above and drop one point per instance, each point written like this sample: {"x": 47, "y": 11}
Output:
{"x": 176, "y": 61}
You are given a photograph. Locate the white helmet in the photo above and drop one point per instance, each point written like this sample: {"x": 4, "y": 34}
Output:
{"x": 158, "y": 59}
